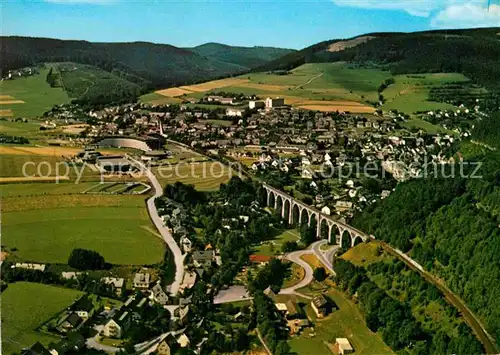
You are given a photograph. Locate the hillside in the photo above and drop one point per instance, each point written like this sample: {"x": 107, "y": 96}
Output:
{"x": 146, "y": 64}
{"x": 473, "y": 53}
{"x": 248, "y": 57}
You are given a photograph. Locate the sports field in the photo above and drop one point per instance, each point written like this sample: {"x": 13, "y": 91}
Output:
{"x": 205, "y": 176}
{"x": 29, "y": 96}
{"x": 46, "y": 229}
{"x": 25, "y": 306}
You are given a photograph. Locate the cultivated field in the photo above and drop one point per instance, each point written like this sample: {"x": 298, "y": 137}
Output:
{"x": 25, "y": 306}
{"x": 29, "y": 96}
{"x": 329, "y": 87}
{"x": 46, "y": 229}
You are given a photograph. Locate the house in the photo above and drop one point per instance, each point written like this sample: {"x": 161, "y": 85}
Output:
{"x": 118, "y": 325}
{"x": 321, "y": 306}
{"x": 36, "y": 349}
{"x": 276, "y": 102}
{"x": 68, "y": 275}
{"x": 281, "y": 307}
{"x": 167, "y": 346}
{"x": 256, "y": 104}
{"x": 183, "y": 341}
{"x": 84, "y": 307}
{"x": 30, "y": 266}
{"x": 70, "y": 322}
{"x": 203, "y": 258}
{"x": 292, "y": 310}
{"x": 342, "y": 346}
{"x": 259, "y": 259}
{"x": 141, "y": 281}
{"x": 186, "y": 244}
{"x": 184, "y": 314}
{"x": 188, "y": 281}
{"x": 72, "y": 344}
{"x": 270, "y": 293}
{"x": 116, "y": 283}
{"x": 234, "y": 112}
{"x": 296, "y": 325}
{"x": 159, "y": 295}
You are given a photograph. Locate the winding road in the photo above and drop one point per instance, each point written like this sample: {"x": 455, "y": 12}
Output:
{"x": 162, "y": 229}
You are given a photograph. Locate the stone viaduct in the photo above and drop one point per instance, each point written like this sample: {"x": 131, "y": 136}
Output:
{"x": 297, "y": 212}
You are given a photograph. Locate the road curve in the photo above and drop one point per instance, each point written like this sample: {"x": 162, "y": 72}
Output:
{"x": 162, "y": 229}
{"x": 295, "y": 257}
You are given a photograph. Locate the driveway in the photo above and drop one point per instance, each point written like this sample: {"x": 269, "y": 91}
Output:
{"x": 164, "y": 231}
{"x": 232, "y": 294}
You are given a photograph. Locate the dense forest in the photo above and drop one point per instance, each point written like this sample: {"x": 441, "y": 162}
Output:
{"x": 394, "y": 319}
{"x": 451, "y": 228}
{"x": 148, "y": 65}
{"x": 488, "y": 130}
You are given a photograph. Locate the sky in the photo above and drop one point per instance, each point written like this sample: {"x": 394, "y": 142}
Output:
{"x": 280, "y": 23}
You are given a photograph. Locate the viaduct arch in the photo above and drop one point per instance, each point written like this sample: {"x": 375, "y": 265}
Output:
{"x": 298, "y": 212}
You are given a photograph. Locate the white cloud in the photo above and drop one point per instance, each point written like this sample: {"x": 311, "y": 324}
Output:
{"x": 467, "y": 15}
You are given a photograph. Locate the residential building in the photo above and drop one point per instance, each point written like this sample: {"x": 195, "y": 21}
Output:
{"x": 115, "y": 282}
{"x": 167, "y": 346}
{"x": 141, "y": 281}
{"x": 84, "y": 307}
{"x": 186, "y": 244}
{"x": 183, "y": 314}
{"x": 203, "y": 258}
{"x": 321, "y": 306}
{"x": 159, "y": 294}
{"x": 70, "y": 322}
{"x": 276, "y": 102}
{"x": 117, "y": 326}
{"x": 256, "y": 104}
{"x": 234, "y": 112}
{"x": 188, "y": 281}
{"x": 36, "y": 349}
{"x": 343, "y": 346}
{"x": 183, "y": 341}
{"x": 30, "y": 266}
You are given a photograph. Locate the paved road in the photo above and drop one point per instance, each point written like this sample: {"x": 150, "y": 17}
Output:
{"x": 94, "y": 344}
{"x": 295, "y": 257}
{"x": 325, "y": 256}
{"x": 164, "y": 231}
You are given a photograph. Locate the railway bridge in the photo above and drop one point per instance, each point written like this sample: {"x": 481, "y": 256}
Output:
{"x": 298, "y": 213}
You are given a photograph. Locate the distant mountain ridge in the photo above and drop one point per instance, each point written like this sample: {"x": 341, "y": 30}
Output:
{"x": 146, "y": 64}
{"x": 249, "y": 57}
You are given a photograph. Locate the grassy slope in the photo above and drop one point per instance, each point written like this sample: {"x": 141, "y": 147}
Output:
{"x": 112, "y": 225}
{"x": 35, "y": 92}
{"x": 273, "y": 247}
{"x": 25, "y": 306}
{"x": 348, "y": 322}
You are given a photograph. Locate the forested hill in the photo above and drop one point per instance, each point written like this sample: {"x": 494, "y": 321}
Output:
{"x": 474, "y": 52}
{"x": 249, "y": 57}
{"x": 147, "y": 64}
{"x": 451, "y": 226}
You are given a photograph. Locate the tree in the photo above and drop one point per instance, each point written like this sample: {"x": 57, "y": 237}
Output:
{"x": 308, "y": 234}
{"x": 83, "y": 259}
{"x": 319, "y": 274}
{"x": 289, "y": 246}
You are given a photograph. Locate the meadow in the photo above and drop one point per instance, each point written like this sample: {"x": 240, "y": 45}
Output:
{"x": 329, "y": 87}
{"x": 273, "y": 247}
{"x": 205, "y": 176}
{"x": 410, "y": 93}
{"x": 25, "y": 306}
{"x": 346, "y": 322}
{"x": 36, "y": 94}
{"x": 44, "y": 229}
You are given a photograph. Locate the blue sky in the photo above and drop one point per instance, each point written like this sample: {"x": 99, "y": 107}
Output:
{"x": 183, "y": 23}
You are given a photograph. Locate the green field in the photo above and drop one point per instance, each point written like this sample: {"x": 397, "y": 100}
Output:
{"x": 37, "y": 95}
{"x": 25, "y": 306}
{"x": 273, "y": 247}
{"x": 31, "y": 189}
{"x": 205, "y": 176}
{"x": 346, "y": 322}
{"x": 410, "y": 93}
{"x": 46, "y": 229}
